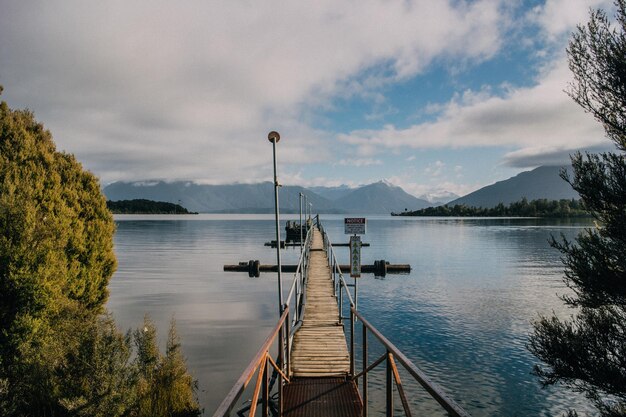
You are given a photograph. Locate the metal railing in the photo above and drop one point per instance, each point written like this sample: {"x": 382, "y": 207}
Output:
{"x": 392, "y": 353}
{"x": 260, "y": 365}
{"x": 262, "y": 360}
{"x": 297, "y": 290}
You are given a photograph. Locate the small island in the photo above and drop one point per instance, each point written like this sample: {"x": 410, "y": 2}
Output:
{"x": 143, "y": 206}
{"x": 523, "y": 208}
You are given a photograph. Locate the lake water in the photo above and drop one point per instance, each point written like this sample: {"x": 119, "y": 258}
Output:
{"x": 462, "y": 315}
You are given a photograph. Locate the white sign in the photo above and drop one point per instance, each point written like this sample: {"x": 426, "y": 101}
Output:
{"x": 354, "y": 225}
{"x": 355, "y": 256}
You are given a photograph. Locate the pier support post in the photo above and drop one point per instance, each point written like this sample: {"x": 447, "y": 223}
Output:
{"x": 364, "y": 388}
{"x": 352, "y": 372}
{"x": 389, "y": 386}
{"x": 281, "y": 363}
{"x": 266, "y": 393}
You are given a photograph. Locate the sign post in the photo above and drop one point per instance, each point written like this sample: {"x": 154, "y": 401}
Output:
{"x": 355, "y": 256}
{"x": 354, "y": 225}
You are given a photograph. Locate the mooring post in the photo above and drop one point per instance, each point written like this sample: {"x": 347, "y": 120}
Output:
{"x": 274, "y": 137}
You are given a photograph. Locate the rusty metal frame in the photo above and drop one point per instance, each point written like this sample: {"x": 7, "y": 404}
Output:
{"x": 260, "y": 363}
{"x": 429, "y": 386}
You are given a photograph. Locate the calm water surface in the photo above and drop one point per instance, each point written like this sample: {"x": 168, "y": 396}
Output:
{"x": 463, "y": 314}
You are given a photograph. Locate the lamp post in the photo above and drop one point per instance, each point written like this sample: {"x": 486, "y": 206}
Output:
{"x": 305, "y": 206}
{"x": 274, "y": 137}
{"x": 301, "y": 243}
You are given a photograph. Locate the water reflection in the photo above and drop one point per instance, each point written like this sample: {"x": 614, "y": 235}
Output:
{"x": 463, "y": 314}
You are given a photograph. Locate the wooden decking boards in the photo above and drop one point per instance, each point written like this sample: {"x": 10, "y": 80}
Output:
{"x": 320, "y": 365}
{"x": 319, "y": 346}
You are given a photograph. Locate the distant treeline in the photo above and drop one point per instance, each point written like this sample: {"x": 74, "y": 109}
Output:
{"x": 142, "y": 206}
{"x": 523, "y": 208}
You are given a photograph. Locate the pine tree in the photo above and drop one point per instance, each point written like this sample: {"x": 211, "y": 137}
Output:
{"x": 588, "y": 351}
{"x": 165, "y": 388}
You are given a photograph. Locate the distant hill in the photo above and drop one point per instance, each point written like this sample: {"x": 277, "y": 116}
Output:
{"x": 378, "y": 198}
{"x": 204, "y": 198}
{"x": 540, "y": 183}
{"x": 332, "y": 193}
{"x": 439, "y": 197}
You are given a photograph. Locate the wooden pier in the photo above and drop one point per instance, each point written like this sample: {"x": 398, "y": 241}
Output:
{"x": 319, "y": 347}
{"x": 314, "y": 371}
{"x": 320, "y": 363}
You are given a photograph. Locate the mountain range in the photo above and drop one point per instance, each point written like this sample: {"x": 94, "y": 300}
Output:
{"x": 377, "y": 198}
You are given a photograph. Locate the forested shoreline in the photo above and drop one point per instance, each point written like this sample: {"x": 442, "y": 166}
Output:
{"x": 143, "y": 206}
{"x": 523, "y": 208}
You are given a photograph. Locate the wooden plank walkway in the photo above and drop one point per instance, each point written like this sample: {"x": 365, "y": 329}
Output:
{"x": 319, "y": 346}
{"x": 320, "y": 385}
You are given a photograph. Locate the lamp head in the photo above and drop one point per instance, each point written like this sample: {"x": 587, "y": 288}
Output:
{"x": 273, "y": 136}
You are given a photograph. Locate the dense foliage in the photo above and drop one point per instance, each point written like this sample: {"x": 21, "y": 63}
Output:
{"x": 588, "y": 351}
{"x": 56, "y": 247}
{"x": 60, "y": 353}
{"x": 142, "y": 206}
{"x": 522, "y": 208}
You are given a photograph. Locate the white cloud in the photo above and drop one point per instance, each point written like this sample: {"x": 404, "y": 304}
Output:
{"x": 558, "y": 18}
{"x": 435, "y": 169}
{"x": 409, "y": 184}
{"x": 523, "y": 118}
{"x": 156, "y": 89}
{"x": 360, "y": 162}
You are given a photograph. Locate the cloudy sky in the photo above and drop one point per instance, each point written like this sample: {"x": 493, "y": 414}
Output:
{"x": 431, "y": 95}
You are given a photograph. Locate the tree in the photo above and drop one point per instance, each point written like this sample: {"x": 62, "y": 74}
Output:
{"x": 588, "y": 351}
{"x": 165, "y": 389}
{"x": 56, "y": 253}
{"x": 60, "y": 352}
{"x": 56, "y": 234}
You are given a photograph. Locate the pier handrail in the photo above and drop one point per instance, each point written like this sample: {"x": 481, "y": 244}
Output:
{"x": 431, "y": 387}
{"x": 261, "y": 362}
{"x": 298, "y": 288}
{"x": 334, "y": 266}
{"x": 299, "y": 277}
{"x": 392, "y": 352}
